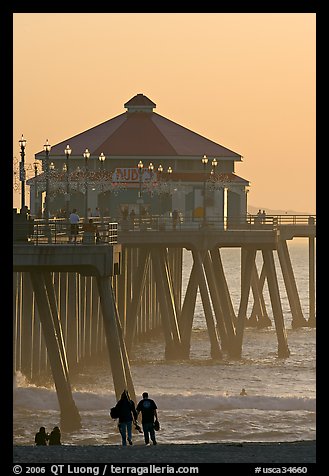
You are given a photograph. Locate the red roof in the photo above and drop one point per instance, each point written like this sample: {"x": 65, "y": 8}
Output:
{"x": 141, "y": 133}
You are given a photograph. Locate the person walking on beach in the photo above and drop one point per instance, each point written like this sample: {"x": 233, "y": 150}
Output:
{"x": 127, "y": 414}
{"x": 41, "y": 437}
{"x": 148, "y": 408}
{"x": 55, "y": 436}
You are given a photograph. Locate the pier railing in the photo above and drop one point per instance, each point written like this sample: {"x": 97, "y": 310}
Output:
{"x": 58, "y": 231}
{"x": 245, "y": 222}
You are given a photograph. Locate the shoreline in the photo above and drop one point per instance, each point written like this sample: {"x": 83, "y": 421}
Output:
{"x": 250, "y": 452}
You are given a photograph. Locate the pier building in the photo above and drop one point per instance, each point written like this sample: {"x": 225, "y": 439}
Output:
{"x": 141, "y": 161}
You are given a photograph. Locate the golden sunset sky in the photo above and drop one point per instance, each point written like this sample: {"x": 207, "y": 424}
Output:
{"x": 243, "y": 80}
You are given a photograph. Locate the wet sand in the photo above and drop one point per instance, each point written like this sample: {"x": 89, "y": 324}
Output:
{"x": 290, "y": 452}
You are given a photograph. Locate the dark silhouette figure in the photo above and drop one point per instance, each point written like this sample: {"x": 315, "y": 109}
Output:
{"x": 74, "y": 225}
{"x": 41, "y": 437}
{"x": 90, "y": 232}
{"x": 175, "y": 217}
{"x": 148, "y": 408}
{"x": 127, "y": 414}
{"x": 132, "y": 216}
{"x": 55, "y": 436}
{"x": 243, "y": 392}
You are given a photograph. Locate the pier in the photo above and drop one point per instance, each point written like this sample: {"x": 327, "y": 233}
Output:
{"x": 74, "y": 302}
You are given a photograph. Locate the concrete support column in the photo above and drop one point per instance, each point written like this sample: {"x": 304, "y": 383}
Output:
{"x": 16, "y": 298}
{"x": 55, "y": 317}
{"x": 70, "y": 418}
{"x": 259, "y": 317}
{"x": 215, "y": 350}
{"x": 187, "y": 314}
{"x": 168, "y": 313}
{"x": 249, "y": 255}
{"x": 224, "y": 296}
{"x": 210, "y": 275}
{"x": 110, "y": 321}
{"x": 166, "y": 273}
{"x": 311, "y": 257}
{"x": 26, "y": 325}
{"x": 298, "y": 319}
{"x": 137, "y": 292}
{"x": 72, "y": 322}
{"x": 283, "y": 350}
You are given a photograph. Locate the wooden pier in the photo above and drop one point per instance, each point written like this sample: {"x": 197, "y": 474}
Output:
{"x": 72, "y": 302}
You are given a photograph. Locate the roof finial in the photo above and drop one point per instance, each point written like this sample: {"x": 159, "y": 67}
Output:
{"x": 140, "y": 103}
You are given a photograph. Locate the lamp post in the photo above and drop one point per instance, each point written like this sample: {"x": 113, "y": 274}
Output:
{"x": 36, "y": 205}
{"x": 140, "y": 173}
{"x": 67, "y": 152}
{"x": 22, "y": 143}
{"x": 204, "y": 162}
{"x": 101, "y": 159}
{"x": 160, "y": 170}
{"x": 86, "y": 155}
{"x": 47, "y": 148}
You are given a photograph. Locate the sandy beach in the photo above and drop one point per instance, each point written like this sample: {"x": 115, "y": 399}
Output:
{"x": 290, "y": 452}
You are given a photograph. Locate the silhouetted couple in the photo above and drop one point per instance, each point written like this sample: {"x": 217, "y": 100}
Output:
{"x": 41, "y": 437}
{"x": 128, "y": 414}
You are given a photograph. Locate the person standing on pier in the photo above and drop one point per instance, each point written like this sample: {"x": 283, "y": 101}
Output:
{"x": 74, "y": 222}
{"x": 175, "y": 217}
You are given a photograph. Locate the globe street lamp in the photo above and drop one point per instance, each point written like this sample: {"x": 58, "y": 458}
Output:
{"x": 22, "y": 143}
{"x": 67, "y": 152}
{"x": 140, "y": 173}
{"x": 151, "y": 168}
{"x": 214, "y": 164}
{"x": 86, "y": 155}
{"x": 101, "y": 159}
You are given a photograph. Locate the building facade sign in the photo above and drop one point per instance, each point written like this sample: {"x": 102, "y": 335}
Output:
{"x": 125, "y": 174}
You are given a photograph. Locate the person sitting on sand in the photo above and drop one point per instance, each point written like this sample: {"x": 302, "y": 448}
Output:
{"x": 55, "y": 436}
{"x": 41, "y": 437}
{"x": 243, "y": 392}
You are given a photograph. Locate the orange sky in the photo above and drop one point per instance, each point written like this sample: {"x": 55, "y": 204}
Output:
{"x": 243, "y": 80}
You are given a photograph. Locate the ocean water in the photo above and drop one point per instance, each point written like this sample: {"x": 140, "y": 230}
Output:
{"x": 199, "y": 399}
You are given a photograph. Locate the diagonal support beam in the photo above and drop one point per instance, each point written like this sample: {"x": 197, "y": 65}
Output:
{"x": 187, "y": 314}
{"x": 137, "y": 292}
{"x": 167, "y": 307}
{"x": 70, "y": 418}
{"x": 283, "y": 350}
{"x": 215, "y": 350}
{"x": 298, "y": 319}
{"x": 211, "y": 281}
{"x": 110, "y": 320}
{"x": 249, "y": 255}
